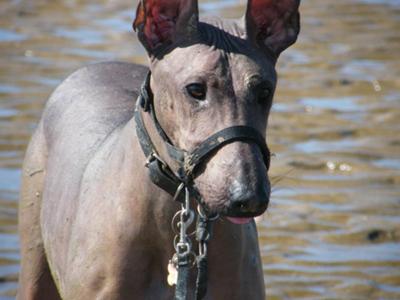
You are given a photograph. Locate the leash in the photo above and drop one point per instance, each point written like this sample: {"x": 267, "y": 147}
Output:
{"x": 178, "y": 182}
{"x": 184, "y": 258}
{"x": 203, "y": 235}
{"x": 183, "y": 246}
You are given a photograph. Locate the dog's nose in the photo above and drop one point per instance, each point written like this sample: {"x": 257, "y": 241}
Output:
{"x": 248, "y": 202}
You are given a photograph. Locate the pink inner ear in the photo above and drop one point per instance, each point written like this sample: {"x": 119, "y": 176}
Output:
{"x": 161, "y": 16}
{"x": 271, "y": 20}
{"x": 267, "y": 12}
{"x": 259, "y": 11}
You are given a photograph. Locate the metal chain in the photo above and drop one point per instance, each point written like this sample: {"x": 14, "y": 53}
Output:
{"x": 182, "y": 243}
{"x": 184, "y": 258}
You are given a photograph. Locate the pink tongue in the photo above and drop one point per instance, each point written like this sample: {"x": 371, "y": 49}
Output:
{"x": 239, "y": 220}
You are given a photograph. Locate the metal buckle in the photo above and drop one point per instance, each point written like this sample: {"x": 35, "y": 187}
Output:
{"x": 154, "y": 156}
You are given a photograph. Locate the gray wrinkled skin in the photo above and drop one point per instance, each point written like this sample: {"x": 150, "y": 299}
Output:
{"x": 230, "y": 68}
{"x": 92, "y": 224}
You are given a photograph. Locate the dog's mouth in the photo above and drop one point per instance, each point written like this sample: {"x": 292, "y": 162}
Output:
{"x": 239, "y": 220}
{"x": 234, "y": 217}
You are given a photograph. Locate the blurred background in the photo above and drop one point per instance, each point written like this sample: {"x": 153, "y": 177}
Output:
{"x": 333, "y": 228}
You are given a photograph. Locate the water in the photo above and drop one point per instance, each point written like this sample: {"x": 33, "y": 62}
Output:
{"x": 333, "y": 228}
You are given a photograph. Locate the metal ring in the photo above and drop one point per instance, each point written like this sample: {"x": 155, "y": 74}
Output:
{"x": 178, "y": 191}
{"x": 175, "y": 229}
{"x": 176, "y": 242}
{"x": 204, "y": 216}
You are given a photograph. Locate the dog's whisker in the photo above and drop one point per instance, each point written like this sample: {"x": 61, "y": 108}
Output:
{"x": 279, "y": 178}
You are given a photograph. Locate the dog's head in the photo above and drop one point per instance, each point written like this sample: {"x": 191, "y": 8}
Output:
{"x": 212, "y": 74}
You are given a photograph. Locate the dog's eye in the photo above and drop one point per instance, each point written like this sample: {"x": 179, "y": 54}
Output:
{"x": 197, "y": 91}
{"x": 263, "y": 95}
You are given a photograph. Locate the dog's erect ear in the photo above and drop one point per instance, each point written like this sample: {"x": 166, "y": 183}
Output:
{"x": 273, "y": 23}
{"x": 160, "y": 23}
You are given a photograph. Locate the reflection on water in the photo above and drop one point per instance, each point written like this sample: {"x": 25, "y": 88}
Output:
{"x": 333, "y": 228}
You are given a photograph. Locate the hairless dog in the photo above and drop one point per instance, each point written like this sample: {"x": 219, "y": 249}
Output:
{"x": 93, "y": 225}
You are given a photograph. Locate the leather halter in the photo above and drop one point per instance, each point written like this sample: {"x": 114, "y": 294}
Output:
{"x": 174, "y": 181}
{"x": 161, "y": 174}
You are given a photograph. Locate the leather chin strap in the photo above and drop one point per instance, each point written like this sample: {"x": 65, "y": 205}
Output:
{"x": 161, "y": 174}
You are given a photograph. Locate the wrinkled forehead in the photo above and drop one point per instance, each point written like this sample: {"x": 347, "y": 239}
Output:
{"x": 218, "y": 51}
{"x": 192, "y": 58}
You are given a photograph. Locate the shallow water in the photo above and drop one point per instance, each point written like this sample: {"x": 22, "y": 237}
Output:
{"x": 333, "y": 227}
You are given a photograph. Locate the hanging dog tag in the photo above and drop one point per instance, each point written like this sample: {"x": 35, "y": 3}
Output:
{"x": 172, "y": 274}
